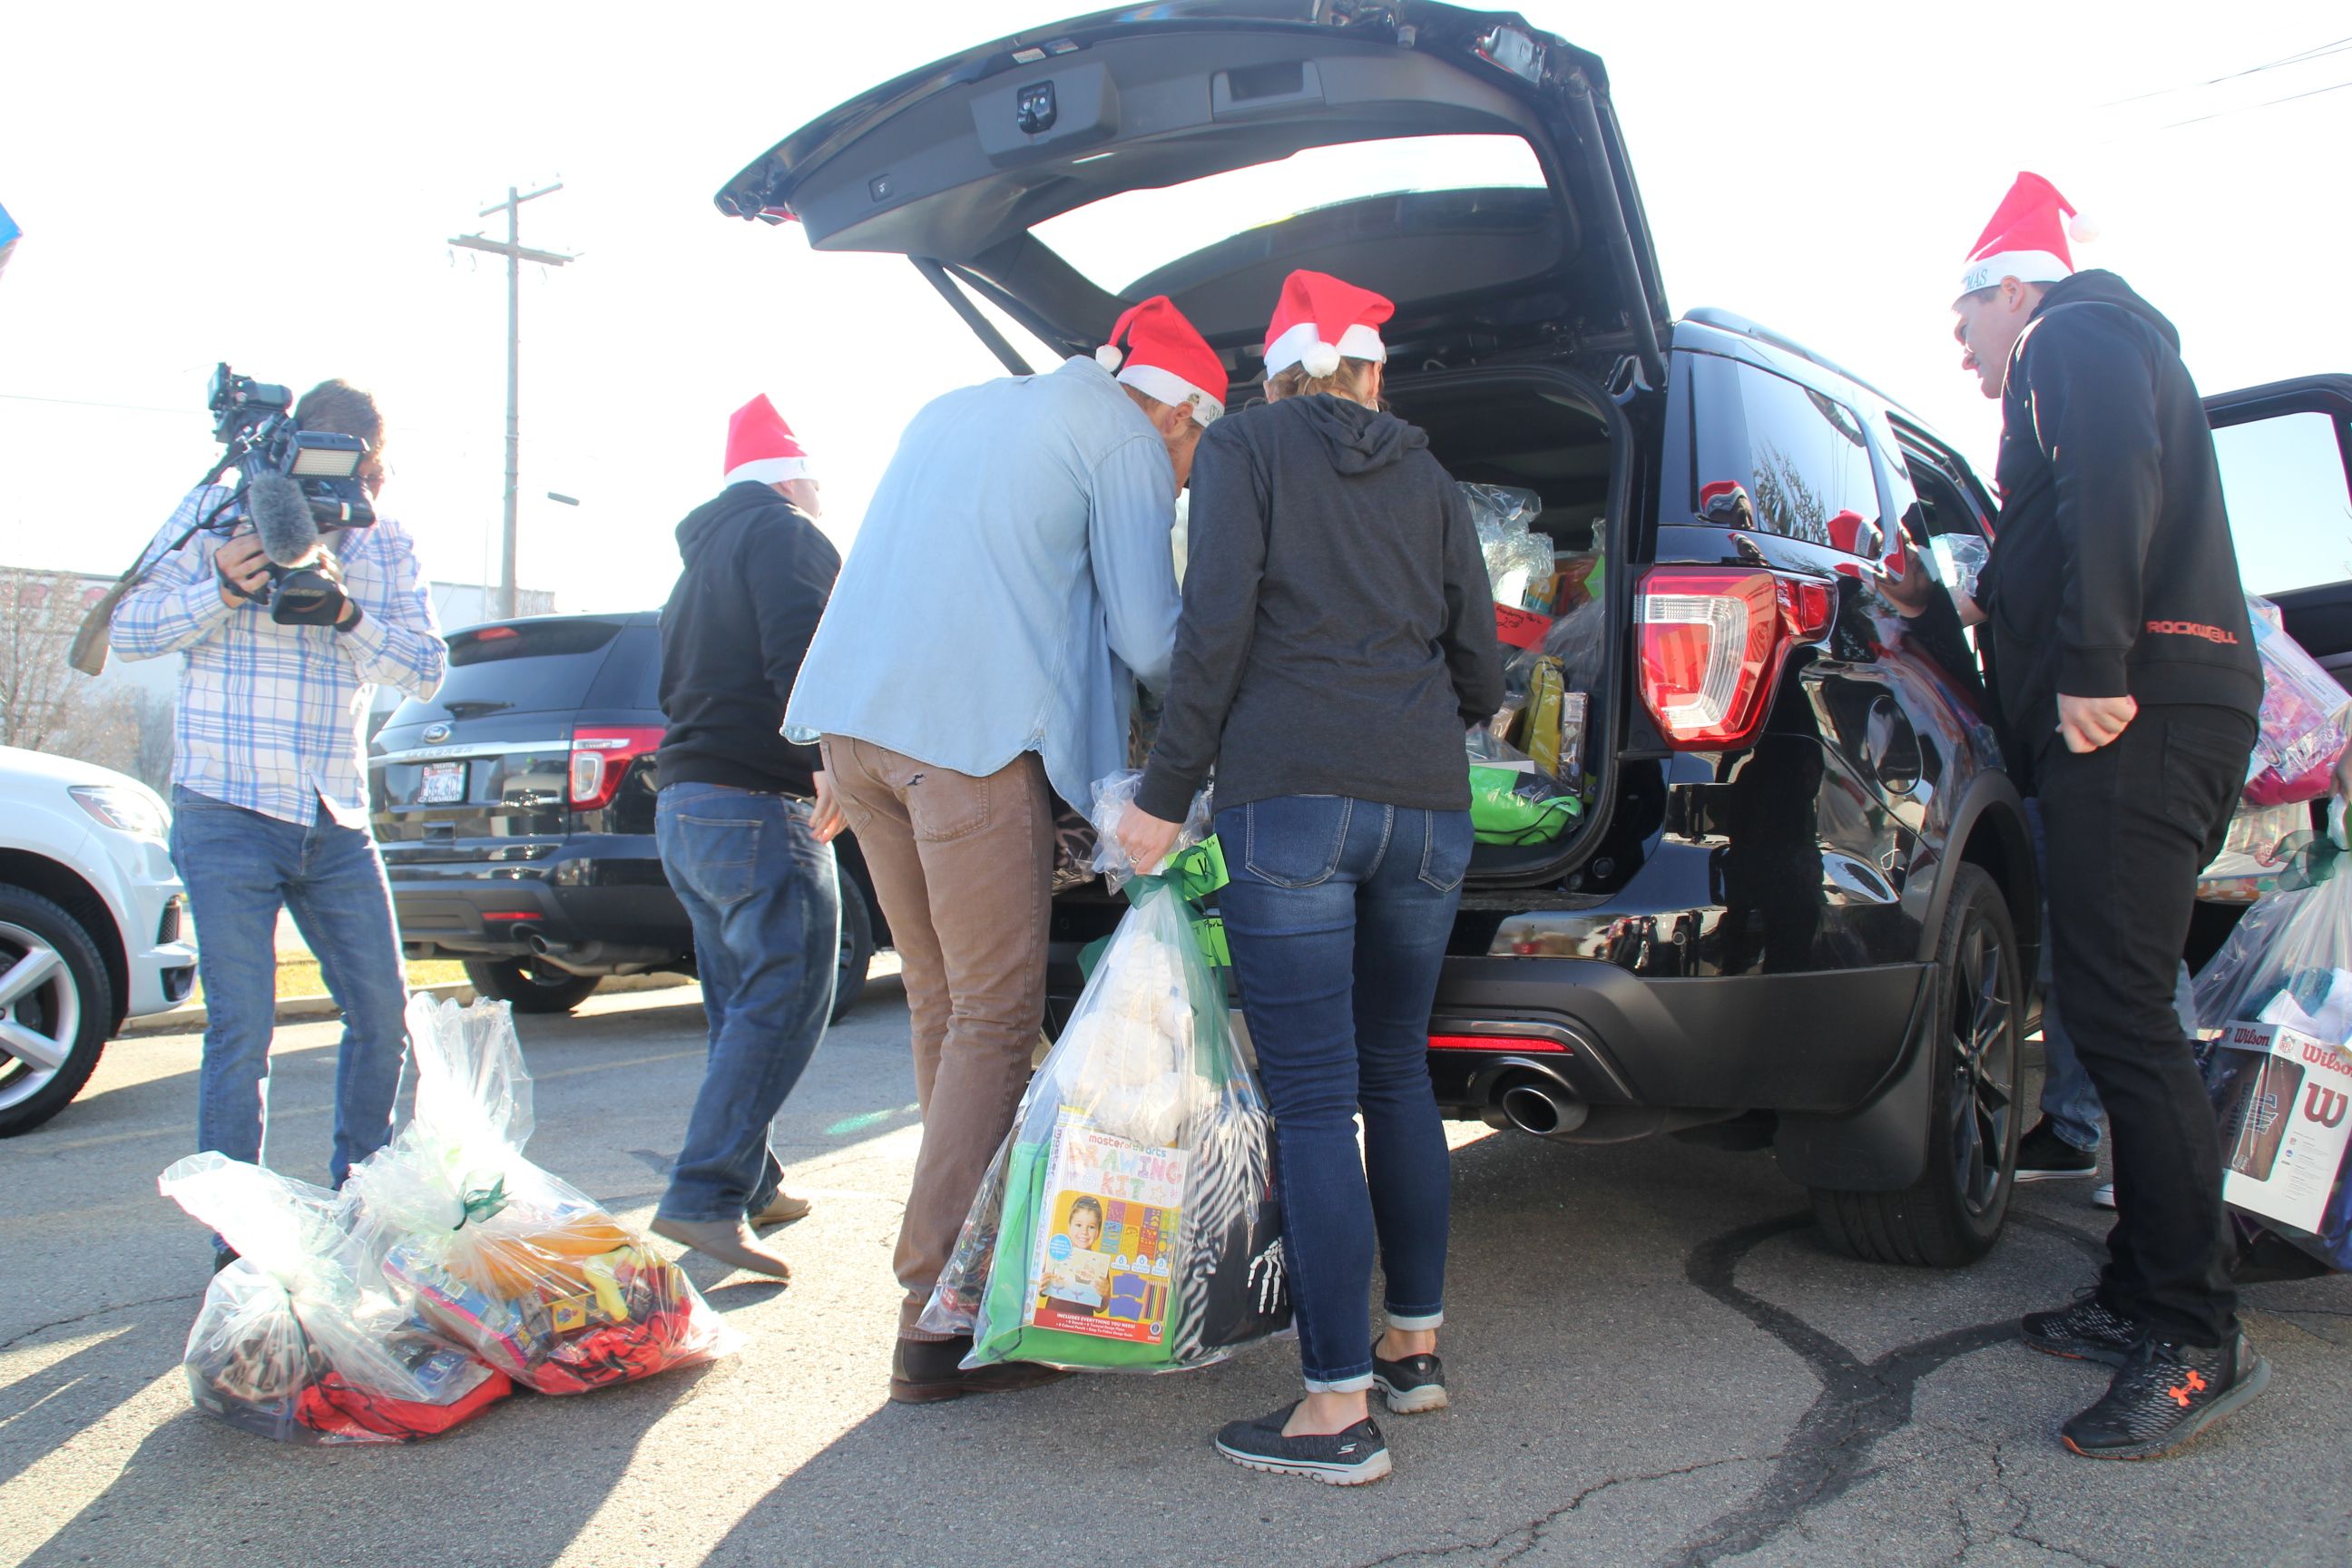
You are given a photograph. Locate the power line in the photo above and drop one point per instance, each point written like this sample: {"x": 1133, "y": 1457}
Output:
{"x": 2317, "y": 51}
{"x": 2266, "y": 103}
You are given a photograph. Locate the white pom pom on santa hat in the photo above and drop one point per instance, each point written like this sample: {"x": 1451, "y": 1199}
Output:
{"x": 1319, "y": 359}
{"x": 2083, "y": 228}
{"x": 1108, "y": 356}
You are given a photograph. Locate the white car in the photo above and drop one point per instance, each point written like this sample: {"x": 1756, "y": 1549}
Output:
{"x": 94, "y": 926}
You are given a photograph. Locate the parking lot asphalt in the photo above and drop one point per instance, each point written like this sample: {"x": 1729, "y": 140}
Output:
{"x": 1654, "y": 1362}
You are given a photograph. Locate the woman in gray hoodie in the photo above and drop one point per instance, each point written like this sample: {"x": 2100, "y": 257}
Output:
{"x": 1337, "y": 639}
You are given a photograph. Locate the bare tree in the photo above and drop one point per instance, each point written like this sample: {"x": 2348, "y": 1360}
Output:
{"x": 46, "y": 705}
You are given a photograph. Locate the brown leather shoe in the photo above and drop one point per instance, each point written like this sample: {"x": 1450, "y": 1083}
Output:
{"x": 782, "y": 1209}
{"x": 731, "y": 1244}
{"x": 924, "y": 1371}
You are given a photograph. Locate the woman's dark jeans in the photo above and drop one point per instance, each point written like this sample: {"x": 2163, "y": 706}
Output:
{"x": 1338, "y": 915}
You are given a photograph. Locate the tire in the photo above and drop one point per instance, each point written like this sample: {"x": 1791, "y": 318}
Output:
{"x": 857, "y": 948}
{"x": 531, "y": 985}
{"x": 65, "y": 1002}
{"x": 1954, "y": 1213}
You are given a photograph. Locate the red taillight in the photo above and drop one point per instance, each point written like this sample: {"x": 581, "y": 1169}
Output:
{"x": 496, "y": 634}
{"x": 1712, "y": 643}
{"x": 601, "y": 756}
{"x": 1516, "y": 1043}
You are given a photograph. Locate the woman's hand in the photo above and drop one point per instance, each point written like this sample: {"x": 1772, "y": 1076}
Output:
{"x": 1145, "y": 839}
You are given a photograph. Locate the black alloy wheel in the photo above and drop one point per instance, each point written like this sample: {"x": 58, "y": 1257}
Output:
{"x": 1954, "y": 1213}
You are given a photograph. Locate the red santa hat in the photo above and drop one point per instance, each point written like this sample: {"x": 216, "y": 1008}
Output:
{"x": 2027, "y": 237}
{"x": 1156, "y": 350}
{"x": 761, "y": 447}
{"x": 1319, "y": 321}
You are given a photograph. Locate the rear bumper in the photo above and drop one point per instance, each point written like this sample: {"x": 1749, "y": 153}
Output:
{"x": 604, "y": 903}
{"x": 1823, "y": 1044}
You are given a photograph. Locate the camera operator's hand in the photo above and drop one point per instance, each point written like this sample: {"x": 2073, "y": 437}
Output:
{"x": 241, "y": 568}
{"x": 328, "y": 565}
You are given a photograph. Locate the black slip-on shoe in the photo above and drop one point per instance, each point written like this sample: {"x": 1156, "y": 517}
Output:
{"x": 2044, "y": 1156}
{"x": 2084, "y": 1330}
{"x": 223, "y": 1256}
{"x": 1411, "y": 1384}
{"x": 924, "y": 1371}
{"x": 1346, "y": 1459}
{"x": 2166, "y": 1394}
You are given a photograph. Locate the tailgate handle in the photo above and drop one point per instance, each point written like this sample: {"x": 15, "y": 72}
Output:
{"x": 1254, "y": 90}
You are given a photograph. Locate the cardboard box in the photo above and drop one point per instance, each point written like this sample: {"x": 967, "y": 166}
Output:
{"x": 2283, "y": 1104}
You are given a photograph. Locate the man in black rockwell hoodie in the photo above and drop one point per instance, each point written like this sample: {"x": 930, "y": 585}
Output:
{"x": 2129, "y": 687}
{"x": 745, "y": 822}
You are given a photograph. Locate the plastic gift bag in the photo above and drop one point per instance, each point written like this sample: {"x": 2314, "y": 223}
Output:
{"x": 524, "y": 1268}
{"x": 1518, "y": 561}
{"x": 1959, "y": 561}
{"x": 2302, "y": 731}
{"x": 300, "y": 1339}
{"x": 2293, "y": 941}
{"x": 1512, "y": 801}
{"x": 1129, "y": 1222}
{"x": 1113, "y": 795}
{"x": 2262, "y": 842}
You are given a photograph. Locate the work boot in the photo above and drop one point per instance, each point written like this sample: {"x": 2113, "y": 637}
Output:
{"x": 782, "y": 1209}
{"x": 727, "y": 1241}
{"x": 2165, "y": 1395}
{"x": 924, "y": 1371}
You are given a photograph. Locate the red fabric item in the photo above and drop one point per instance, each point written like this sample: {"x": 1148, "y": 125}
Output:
{"x": 757, "y": 434}
{"x": 1320, "y": 318}
{"x": 338, "y": 1408}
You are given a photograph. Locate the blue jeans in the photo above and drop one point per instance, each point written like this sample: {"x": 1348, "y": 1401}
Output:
{"x": 1338, "y": 916}
{"x": 2069, "y": 1103}
{"x": 241, "y": 868}
{"x": 766, "y": 908}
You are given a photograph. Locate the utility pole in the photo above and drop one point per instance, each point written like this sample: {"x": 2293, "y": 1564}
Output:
{"x": 516, "y": 255}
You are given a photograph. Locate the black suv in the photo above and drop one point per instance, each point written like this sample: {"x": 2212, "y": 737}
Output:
{"x": 515, "y": 810}
{"x": 1802, "y": 911}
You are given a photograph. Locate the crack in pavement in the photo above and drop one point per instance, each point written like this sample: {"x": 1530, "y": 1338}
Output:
{"x": 19, "y": 1337}
{"x": 1860, "y": 1402}
{"x": 1534, "y": 1528}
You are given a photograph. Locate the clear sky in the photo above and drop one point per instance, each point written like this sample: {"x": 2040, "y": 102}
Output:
{"x": 195, "y": 186}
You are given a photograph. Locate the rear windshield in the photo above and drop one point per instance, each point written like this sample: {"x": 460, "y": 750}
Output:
{"x": 531, "y": 668}
{"x": 1126, "y": 237}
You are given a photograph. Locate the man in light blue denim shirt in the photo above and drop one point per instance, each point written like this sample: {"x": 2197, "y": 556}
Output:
{"x": 1012, "y": 580}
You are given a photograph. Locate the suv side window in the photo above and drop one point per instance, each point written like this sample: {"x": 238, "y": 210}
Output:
{"x": 1782, "y": 458}
{"x": 2282, "y": 479}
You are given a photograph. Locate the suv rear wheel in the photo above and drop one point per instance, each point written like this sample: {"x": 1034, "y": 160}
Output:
{"x": 56, "y": 1003}
{"x": 1954, "y": 1213}
{"x": 531, "y": 985}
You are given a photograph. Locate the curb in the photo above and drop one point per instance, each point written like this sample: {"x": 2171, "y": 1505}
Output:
{"x": 303, "y": 1009}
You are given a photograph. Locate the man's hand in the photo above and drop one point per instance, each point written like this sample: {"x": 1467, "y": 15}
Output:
{"x": 1145, "y": 838}
{"x": 2086, "y": 723}
{"x": 241, "y": 569}
{"x": 825, "y": 820}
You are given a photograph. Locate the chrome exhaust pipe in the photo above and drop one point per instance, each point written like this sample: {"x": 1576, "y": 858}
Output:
{"x": 1533, "y": 1107}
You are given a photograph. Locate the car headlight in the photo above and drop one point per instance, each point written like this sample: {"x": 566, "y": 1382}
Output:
{"x": 131, "y": 811}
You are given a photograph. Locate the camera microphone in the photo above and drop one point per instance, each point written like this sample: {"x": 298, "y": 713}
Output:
{"x": 281, "y": 519}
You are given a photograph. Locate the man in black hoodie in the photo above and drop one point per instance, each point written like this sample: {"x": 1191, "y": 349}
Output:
{"x": 2130, "y": 687}
{"x": 745, "y": 824}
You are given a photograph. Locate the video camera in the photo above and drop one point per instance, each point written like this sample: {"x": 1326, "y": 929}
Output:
{"x": 297, "y": 483}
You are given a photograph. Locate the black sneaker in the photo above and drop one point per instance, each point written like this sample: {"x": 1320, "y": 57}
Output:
{"x": 924, "y": 1371}
{"x": 1412, "y": 1383}
{"x": 1346, "y": 1459}
{"x": 2163, "y": 1396}
{"x": 2086, "y": 1330}
{"x": 2044, "y": 1156}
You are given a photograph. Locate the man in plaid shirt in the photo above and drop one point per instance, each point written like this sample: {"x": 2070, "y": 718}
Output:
{"x": 270, "y": 792}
